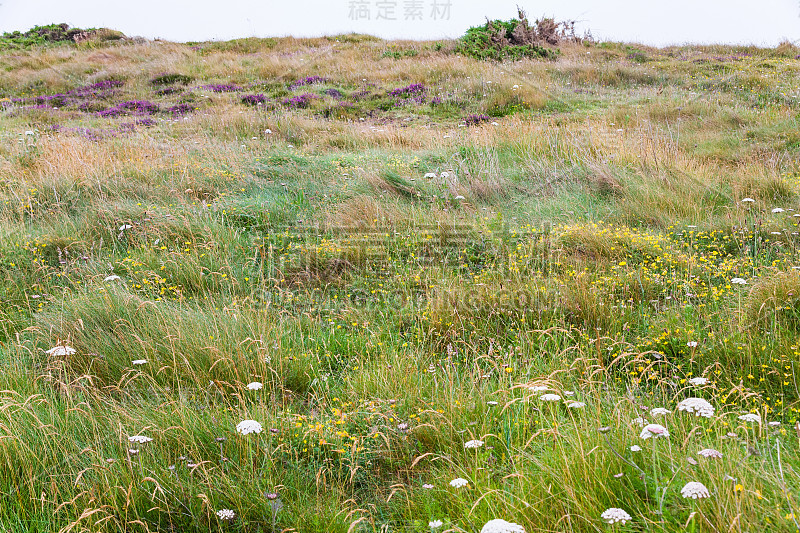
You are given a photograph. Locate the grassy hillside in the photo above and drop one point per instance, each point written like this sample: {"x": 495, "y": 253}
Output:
{"x": 408, "y": 267}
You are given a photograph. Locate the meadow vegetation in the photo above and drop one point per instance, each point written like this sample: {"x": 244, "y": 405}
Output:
{"x": 349, "y": 285}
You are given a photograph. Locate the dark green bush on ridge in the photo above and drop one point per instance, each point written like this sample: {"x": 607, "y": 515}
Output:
{"x": 516, "y": 39}
{"x": 54, "y": 34}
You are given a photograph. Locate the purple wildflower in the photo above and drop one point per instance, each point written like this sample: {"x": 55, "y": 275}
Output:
{"x": 410, "y": 90}
{"x": 222, "y": 87}
{"x": 97, "y": 87}
{"x": 302, "y": 101}
{"x": 131, "y": 107}
{"x": 254, "y": 99}
{"x": 310, "y": 80}
{"x": 474, "y": 120}
{"x": 179, "y": 109}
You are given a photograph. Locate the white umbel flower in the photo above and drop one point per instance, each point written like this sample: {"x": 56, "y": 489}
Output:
{"x": 710, "y": 453}
{"x": 60, "y": 351}
{"x": 138, "y": 362}
{"x": 738, "y": 281}
{"x": 778, "y": 210}
{"x": 498, "y": 525}
{"x": 433, "y": 524}
{"x": 139, "y": 439}
{"x": 698, "y": 406}
{"x": 245, "y": 427}
{"x": 112, "y": 277}
{"x": 750, "y": 417}
{"x": 459, "y": 482}
{"x": 576, "y": 405}
{"x": 698, "y": 381}
{"x": 695, "y": 490}
{"x": 473, "y": 444}
{"x": 614, "y": 515}
{"x": 655, "y": 431}
{"x": 226, "y": 514}
{"x": 636, "y": 448}
{"x": 550, "y": 397}
{"x": 533, "y": 387}
{"x": 639, "y": 421}
{"x": 747, "y": 200}
{"x": 659, "y": 411}
{"x": 255, "y": 385}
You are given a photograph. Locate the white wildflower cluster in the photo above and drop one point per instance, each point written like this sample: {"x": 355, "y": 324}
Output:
{"x": 710, "y": 453}
{"x": 655, "y": 431}
{"x": 498, "y": 525}
{"x": 245, "y": 427}
{"x": 459, "y": 482}
{"x": 750, "y": 417}
{"x": 535, "y": 387}
{"x": 550, "y": 397}
{"x": 139, "y": 439}
{"x": 60, "y": 351}
{"x": 255, "y": 385}
{"x": 226, "y": 514}
{"x": 473, "y": 444}
{"x": 614, "y": 515}
{"x": 698, "y": 406}
{"x": 695, "y": 490}
{"x": 659, "y": 411}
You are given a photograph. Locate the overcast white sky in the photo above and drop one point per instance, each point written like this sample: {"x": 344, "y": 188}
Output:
{"x": 763, "y": 22}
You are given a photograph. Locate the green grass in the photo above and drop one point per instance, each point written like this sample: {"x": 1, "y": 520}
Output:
{"x": 399, "y": 284}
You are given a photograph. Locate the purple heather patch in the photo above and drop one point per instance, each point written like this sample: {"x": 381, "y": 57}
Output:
{"x": 99, "y": 86}
{"x": 310, "y": 80}
{"x": 254, "y": 99}
{"x": 222, "y": 87}
{"x": 131, "y": 107}
{"x": 360, "y": 95}
{"x": 410, "y": 90}
{"x": 102, "y": 89}
{"x": 179, "y": 109}
{"x": 97, "y": 135}
{"x": 474, "y": 120}
{"x": 145, "y": 122}
{"x": 300, "y": 101}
